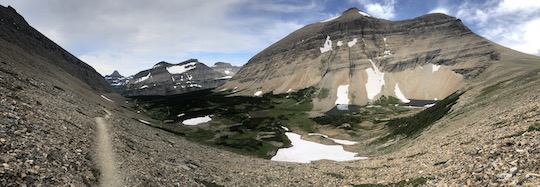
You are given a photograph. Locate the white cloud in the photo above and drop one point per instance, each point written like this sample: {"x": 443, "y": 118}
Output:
{"x": 287, "y": 6}
{"x": 512, "y": 23}
{"x": 440, "y": 10}
{"x": 132, "y": 35}
{"x": 384, "y": 9}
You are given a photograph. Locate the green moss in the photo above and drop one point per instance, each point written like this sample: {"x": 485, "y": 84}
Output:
{"x": 238, "y": 119}
{"x": 533, "y": 127}
{"x": 385, "y": 101}
{"x": 201, "y": 135}
{"x": 323, "y": 93}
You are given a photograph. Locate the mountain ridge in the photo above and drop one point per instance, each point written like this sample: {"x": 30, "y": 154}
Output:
{"x": 18, "y": 33}
{"x": 168, "y": 79}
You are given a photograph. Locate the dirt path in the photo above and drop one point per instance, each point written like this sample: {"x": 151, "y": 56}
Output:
{"x": 105, "y": 155}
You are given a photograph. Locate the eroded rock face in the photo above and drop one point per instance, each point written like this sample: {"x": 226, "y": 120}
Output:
{"x": 426, "y": 58}
{"x": 167, "y": 79}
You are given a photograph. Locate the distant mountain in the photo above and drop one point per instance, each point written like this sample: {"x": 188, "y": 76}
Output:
{"x": 167, "y": 79}
{"x": 226, "y": 68}
{"x": 117, "y": 81}
{"x": 355, "y": 59}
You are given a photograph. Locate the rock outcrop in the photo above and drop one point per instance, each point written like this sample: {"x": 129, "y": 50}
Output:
{"x": 425, "y": 58}
{"x": 168, "y": 79}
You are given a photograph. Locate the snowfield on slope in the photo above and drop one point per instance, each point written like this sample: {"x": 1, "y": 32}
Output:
{"x": 327, "y": 45}
{"x": 435, "y": 68}
{"x": 342, "y": 101}
{"x": 330, "y": 19}
{"x": 197, "y": 120}
{"x": 351, "y": 43}
{"x": 106, "y": 98}
{"x": 400, "y": 95}
{"x": 179, "y": 69}
{"x": 143, "y": 78}
{"x": 375, "y": 81}
{"x": 303, "y": 151}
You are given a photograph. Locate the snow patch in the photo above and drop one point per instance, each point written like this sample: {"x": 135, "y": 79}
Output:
{"x": 223, "y": 78}
{"x": 375, "y": 81}
{"x": 327, "y": 45}
{"x": 258, "y": 93}
{"x": 144, "y": 86}
{"x": 342, "y": 100}
{"x": 339, "y": 43}
{"x": 386, "y": 54}
{"x": 197, "y": 120}
{"x": 143, "y": 78}
{"x": 285, "y": 128}
{"x": 145, "y": 122}
{"x": 329, "y": 19}
{"x": 303, "y": 151}
{"x": 338, "y": 141}
{"x": 102, "y": 96}
{"x": 435, "y": 68}
{"x": 290, "y": 90}
{"x": 429, "y": 105}
{"x": 351, "y": 43}
{"x": 364, "y": 14}
{"x": 179, "y": 69}
{"x": 227, "y": 72}
{"x": 400, "y": 95}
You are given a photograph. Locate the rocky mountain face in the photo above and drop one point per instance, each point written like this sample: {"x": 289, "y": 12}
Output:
{"x": 356, "y": 59}
{"x": 167, "y": 79}
{"x": 48, "y": 101}
{"x": 24, "y": 46}
{"x": 117, "y": 81}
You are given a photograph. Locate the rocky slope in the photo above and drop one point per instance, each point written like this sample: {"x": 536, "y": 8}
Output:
{"x": 48, "y": 136}
{"x": 426, "y": 58}
{"x": 168, "y": 79}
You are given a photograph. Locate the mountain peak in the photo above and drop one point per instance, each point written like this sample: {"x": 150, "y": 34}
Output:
{"x": 355, "y": 11}
{"x": 162, "y": 63}
{"x": 116, "y": 74}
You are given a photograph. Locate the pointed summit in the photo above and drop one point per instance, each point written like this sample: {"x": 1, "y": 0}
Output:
{"x": 355, "y": 11}
{"x": 116, "y": 74}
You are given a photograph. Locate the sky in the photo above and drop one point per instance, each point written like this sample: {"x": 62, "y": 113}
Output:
{"x": 133, "y": 35}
